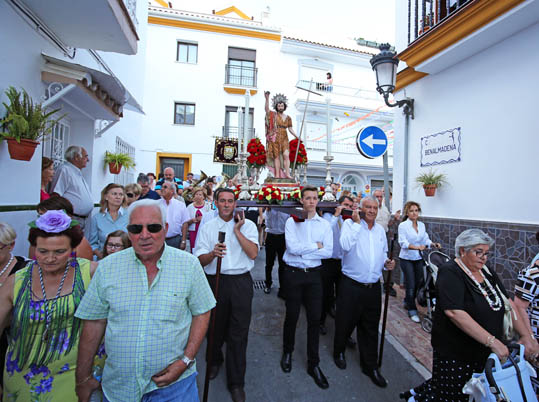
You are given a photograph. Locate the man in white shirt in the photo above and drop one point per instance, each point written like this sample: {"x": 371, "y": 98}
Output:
{"x": 69, "y": 183}
{"x": 233, "y": 312}
{"x": 364, "y": 247}
{"x": 331, "y": 267}
{"x": 176, "y": 215}
{"x": 307, "y": 242}
{"x": 275, "y": 246}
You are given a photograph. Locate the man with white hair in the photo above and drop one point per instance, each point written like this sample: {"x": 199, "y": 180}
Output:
{"x": 152, "y": 302}
{"x": 364, "y": 246}
{"x": 176, "y": 215}
{"x": 69, "y": 183}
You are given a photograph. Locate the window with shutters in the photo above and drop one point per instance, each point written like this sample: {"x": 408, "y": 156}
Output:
{"x": 241, "y": 68}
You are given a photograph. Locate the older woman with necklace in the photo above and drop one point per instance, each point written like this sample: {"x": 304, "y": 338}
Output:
{"x": 41, "y": 300}
{"x": 468, "y": 320}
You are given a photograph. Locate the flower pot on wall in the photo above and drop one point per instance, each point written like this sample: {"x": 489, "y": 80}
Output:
{"x": 115, "y": 168}
{"x": 430, "y": 190}
{"x": 21, "y": 151}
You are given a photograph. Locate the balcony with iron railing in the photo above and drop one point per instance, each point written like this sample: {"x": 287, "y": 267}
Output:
{"x": 241, "y": 76}
{"x": 324, "y": 89}
{"x": 233, "y": 132}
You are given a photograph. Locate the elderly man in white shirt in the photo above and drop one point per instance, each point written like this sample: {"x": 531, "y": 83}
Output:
{"x": 176, "y": 215}
{"x": 308, "y": 241}
{"x": 69, "y": 183}
{"x": 364, "y": 246}
{"x": 233, "y": 312}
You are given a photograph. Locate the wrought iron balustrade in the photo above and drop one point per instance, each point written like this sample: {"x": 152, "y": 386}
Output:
{"x": 233, "y": 132}
{"x": 339, "y": 147}
{"x": 424, "y": 15}
{"x": 241, "y": 75}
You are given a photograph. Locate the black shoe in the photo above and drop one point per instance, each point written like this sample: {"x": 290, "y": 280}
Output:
{"x": 267, "y": 290}
{"x": 286, "y": 362}
{"x": 375, "y": 377}
{"x": 214, "y": 371}
{"x": 350, "y": 342}
{"x": 237, "y": 394}
{"x": 323, "y": 329}
{"x": 319, "y": 377}
{"x": 340, "y": 361}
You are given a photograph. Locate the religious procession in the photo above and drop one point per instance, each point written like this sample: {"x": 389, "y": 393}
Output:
{"x": 345, "y": 240}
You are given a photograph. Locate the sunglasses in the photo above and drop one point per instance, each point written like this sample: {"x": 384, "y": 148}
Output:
{"x": 152, "y": 228}
{"x": 130, "y": 195}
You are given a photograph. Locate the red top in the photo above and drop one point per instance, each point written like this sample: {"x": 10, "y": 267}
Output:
{"x": 44, "y": 196}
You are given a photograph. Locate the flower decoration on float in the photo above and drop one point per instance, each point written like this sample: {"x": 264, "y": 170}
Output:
{"x": 302, "y": 153}
{"x": 257, "y": 153}
{"x": 295, "y": 195}
{"x": 321, "y": 192}
{"x": 54, "y": 221}
{"x": 269, "y": 195}
{"x": 237, "y": 191}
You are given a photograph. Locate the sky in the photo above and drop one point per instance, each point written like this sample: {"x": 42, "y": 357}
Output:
{"x": 315, "y": 19}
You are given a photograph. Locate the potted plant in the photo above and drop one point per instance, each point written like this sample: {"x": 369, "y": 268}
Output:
{"x": 25, "y": 124}
{"x": 116, "y": 161}
{"x": 431, "y": 181}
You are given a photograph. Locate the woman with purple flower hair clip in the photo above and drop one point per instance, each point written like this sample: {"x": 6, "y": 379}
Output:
{"x": 41, "y": 300}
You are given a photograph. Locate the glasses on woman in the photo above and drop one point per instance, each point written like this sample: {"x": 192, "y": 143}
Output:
{"x": 115, "y": 246}
{"x": 481, "y": 254}
{"x": 130, "y": 195}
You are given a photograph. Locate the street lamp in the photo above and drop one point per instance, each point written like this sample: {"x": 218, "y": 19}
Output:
{"x": 385, "y": 65}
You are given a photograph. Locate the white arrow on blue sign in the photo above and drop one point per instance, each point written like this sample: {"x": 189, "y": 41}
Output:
{"x": 371, "y": 142}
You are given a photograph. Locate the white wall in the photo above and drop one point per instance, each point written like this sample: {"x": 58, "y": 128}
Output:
{"x": 492, "y": 97}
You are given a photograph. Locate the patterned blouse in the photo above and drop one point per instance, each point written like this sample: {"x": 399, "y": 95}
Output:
{"x": 527, "y": 289}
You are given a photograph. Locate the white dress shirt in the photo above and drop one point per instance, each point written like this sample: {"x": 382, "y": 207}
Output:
{"x": 71, "y": 184}
{"x": 176, "y": 216}
{"x": 408, "y": 235}
{"x": 275, "y": 221}
{"x": 192, "y": 212}
{"x": 336, "y": 223}
{"x": 235, "y": 261}
{"x": 365, "y": 251}
{"x": 301, "y": 238}
{"x": 383, "y": 217}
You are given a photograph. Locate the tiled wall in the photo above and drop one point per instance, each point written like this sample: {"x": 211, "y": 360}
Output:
{"x": 514, "y": 248}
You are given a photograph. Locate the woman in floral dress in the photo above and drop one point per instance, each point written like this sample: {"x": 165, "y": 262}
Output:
{"x": 41, "y": 300}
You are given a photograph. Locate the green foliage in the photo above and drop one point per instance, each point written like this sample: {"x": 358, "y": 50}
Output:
{"x": 430, "y": 178}
{"x": 119, "y": 159}
{"x": 24, "y": 119}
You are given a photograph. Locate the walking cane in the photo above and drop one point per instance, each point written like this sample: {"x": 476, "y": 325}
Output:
{"x": 386, "y": 303}
{"x": 212, "y": 323}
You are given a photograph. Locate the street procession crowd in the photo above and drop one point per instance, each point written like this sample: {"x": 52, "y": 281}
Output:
{"x": 115, "y": 305}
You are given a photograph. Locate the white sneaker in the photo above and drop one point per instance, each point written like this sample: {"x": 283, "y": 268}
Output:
{"x": 415, "y": 318}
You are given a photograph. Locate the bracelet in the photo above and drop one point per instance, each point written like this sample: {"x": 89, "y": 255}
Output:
{"x": 83, "y": 381}
{"x": 490, "y": 341}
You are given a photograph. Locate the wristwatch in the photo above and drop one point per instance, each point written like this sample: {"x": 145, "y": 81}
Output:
{"x": 188, "y": 362}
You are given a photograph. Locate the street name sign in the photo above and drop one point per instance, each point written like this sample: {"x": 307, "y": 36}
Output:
{"x": 371, "y": 142}
{"x": 441, "y": 148}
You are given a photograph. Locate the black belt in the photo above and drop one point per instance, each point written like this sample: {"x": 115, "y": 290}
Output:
{"x": 295, "y": 269}
{"x": 80, "y": 216}
{"x": 361, "y": 284}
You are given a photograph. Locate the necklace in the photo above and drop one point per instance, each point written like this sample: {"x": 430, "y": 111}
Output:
{"x": 49, "y": 311}
{"x": 495, "y": 304}
{"x": 6, "y": 267}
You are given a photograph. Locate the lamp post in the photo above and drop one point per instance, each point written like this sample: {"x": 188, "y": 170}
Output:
{"x": 385, "y": 65}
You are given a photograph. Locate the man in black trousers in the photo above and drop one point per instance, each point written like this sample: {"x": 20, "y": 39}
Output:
{"x": 275, "y": 246}
{"x": 307, "y": 242}
{"x": 359, "y": 302}
{"x": 233, "y": 311}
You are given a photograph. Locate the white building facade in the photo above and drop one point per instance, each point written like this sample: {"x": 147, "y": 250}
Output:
{"x": 86, "y": 59}
{"x": 199, "y": 67}
{"x": 470, "y": 68}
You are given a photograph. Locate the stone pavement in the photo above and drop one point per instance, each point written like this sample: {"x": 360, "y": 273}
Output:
{"x": 265, "y": 382}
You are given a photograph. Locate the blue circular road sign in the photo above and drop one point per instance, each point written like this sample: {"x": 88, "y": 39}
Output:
{"x": 371, "y": 142}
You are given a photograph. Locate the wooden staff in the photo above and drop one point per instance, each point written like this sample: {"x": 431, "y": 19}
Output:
{"x": 212, "y": 323}
{"x": 386, "y": 304}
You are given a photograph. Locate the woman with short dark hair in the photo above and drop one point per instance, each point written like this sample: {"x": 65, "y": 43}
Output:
{"x": 41, "y": 300}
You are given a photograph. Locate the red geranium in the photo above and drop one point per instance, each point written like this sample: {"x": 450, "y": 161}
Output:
{"x": 302, "y": 153}
{"x": 257, "y": 157}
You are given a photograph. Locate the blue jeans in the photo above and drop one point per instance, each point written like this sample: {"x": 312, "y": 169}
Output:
{"x": 413, "y": 273}
{"x": 185, "y": 390}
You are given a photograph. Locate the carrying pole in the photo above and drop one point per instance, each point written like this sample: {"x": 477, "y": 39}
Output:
{"x": 386, "y": 303}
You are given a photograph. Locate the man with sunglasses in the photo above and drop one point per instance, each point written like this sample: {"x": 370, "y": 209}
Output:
{"x": 233, "y": 314}
{"x": 153, "y": 303}
{"x": 176, "y": 215}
